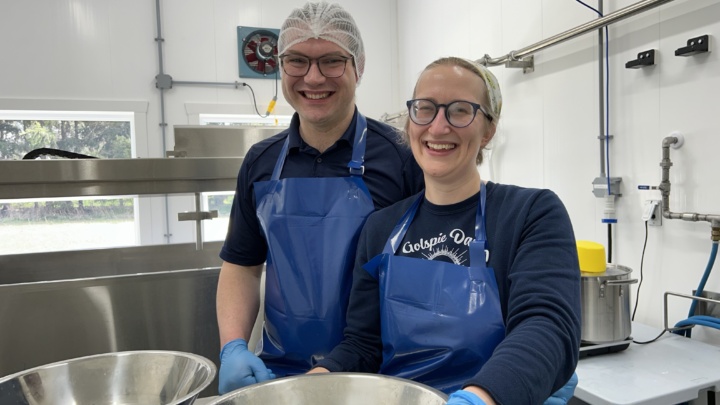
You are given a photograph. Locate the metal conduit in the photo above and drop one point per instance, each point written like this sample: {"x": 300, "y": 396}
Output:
{"x": 618, "y": 15}
{"x": 601, "y": 91}
{"x": 159, "y": 39}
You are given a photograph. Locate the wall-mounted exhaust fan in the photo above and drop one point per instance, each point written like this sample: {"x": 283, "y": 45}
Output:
{"x": 257, "y": 52}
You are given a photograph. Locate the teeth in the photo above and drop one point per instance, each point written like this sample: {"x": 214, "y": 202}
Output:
{"x": 317, "y": 96}
{"x": 440, "y": 146}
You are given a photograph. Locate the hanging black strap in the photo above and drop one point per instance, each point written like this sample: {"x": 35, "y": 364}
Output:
{"x": 34, "y": 154}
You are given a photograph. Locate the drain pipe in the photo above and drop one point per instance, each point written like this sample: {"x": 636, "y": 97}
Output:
{"x": 675, "y": 141}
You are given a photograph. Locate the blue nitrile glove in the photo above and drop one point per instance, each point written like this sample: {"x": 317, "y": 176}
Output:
{"x": 563, "y": 395}
{"x": 239, "y": 367}
{"x": 462, "y": 397}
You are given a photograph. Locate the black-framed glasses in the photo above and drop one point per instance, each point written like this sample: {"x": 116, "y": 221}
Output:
{"x": 330, "y": 66}
{"x": 459, "y": 113}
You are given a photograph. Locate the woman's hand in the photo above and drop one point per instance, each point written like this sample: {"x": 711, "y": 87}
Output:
{"x": 470, "y": 395}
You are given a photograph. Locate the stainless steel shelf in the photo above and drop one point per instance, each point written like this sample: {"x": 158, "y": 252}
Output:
{"x": 107, "y": 177}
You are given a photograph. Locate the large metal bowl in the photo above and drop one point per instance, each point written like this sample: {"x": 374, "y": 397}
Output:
{"x": 122, "y": 378}
{"x": 334, "y": 389}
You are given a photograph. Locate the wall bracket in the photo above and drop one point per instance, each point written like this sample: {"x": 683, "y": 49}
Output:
{"x": 694, "y": 46}
{"x": 527, "y": 64}
{"x": 644, "y": 59}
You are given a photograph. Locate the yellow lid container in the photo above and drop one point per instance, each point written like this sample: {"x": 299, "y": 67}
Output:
{"x": 591, "y": 256}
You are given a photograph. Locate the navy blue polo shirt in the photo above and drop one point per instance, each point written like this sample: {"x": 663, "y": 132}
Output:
{"x": 391, "y": 174}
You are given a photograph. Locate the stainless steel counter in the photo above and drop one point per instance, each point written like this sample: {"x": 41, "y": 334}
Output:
{"x": 671, "y": 370}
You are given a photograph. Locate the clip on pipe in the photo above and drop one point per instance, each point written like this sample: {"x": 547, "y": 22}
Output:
{"x": 694, "y": 46}
{"x": 527, "y": 63}
{"x": 644, "y": 58}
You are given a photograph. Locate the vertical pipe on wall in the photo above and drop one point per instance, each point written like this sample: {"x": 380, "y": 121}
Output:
{"x": 159, "y": 39}
{"x": 601, "y": 92}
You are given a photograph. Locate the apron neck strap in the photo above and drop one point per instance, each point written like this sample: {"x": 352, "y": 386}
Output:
{"x": 403, "y": 225}
{"x": 401, "y": 228}
{"x": 479, "y": 248}
{"x": 480, "y": 233}
{"x": 355, "y": 165}
{"x": 358, "y": 155}
{"x": 281, "y": 160}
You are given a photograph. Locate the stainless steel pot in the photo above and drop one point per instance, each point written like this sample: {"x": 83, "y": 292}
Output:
{"x": 606, "y": 304}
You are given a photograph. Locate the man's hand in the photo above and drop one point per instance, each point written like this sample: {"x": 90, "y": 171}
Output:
{"x": 239, "y": 367}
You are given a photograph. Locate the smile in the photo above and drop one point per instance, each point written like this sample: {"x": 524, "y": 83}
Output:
{"x": 316, "y": 96}
{"x": 440, "y": 146}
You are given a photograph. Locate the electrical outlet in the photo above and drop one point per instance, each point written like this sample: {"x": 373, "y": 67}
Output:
{"x": 652, "y": 212}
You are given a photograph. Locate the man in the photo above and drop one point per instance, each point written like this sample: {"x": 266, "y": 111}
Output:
{"x": 302, "y": 197}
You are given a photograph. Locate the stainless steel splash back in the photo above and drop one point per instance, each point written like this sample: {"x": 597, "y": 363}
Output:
{"x": 121, "y": 261}
{"x": 138, "y": 308}
{"x": 107, "y": 177}
{"x": 60, "y": 305}
{"x": 218, "y": 141}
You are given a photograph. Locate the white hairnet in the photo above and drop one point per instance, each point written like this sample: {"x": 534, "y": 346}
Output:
{"x": 324, "y": 21}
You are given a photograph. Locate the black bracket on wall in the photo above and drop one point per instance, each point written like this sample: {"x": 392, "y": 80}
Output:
{"x": 694, "y": 46}
{"x": 644, "y": 58}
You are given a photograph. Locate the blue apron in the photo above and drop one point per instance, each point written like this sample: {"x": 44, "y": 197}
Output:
{"x": 312, "y": 226}
{"x": 440, "y": 322}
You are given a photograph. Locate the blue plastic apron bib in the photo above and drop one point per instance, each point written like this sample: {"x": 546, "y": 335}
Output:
{"x": 312, "y": 226}
{"x": 440, "y": 322}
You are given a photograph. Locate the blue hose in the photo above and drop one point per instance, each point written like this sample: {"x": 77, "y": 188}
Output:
{"x": 701, "y": 319}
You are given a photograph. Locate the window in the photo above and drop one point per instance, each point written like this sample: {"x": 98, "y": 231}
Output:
{"x": 41, "y": 225}
{"x": 216, "y": 229}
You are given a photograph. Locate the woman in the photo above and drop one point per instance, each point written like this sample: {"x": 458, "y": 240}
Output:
{"x": 470, "y": 285}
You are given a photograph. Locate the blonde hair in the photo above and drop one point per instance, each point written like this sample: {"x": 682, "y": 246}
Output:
{"x": 491, "y": 96}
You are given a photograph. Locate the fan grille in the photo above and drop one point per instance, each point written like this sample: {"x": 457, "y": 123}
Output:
{"x": 258, "y": 52}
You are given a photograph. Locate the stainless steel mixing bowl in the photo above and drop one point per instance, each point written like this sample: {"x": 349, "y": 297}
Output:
{"x": 143, "y": 377}
{"x": 334, "y": 389}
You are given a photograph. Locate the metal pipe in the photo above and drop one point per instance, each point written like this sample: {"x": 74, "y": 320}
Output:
{"x": 392, "y": 117}
{"x": 601, "y": 92}
{"x": 599, "y": 23}
{"x": 234, "y": 84}
{"x": 159, "y": 39}
{"x": 665, "y": 187}
{"x": 618, "y": 15}
{"x": 198, "y": 224}
{"x": 692, "y": 297}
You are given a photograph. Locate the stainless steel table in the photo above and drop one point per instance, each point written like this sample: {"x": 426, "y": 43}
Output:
{"x": 671, "y": 370}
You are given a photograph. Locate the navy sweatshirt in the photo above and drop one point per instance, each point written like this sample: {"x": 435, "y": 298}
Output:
{"x": 534, "y": 256}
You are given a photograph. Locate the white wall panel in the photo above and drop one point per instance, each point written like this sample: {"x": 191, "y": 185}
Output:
{"x": 105, "y": 50}
{"x": 548, "y": 134}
